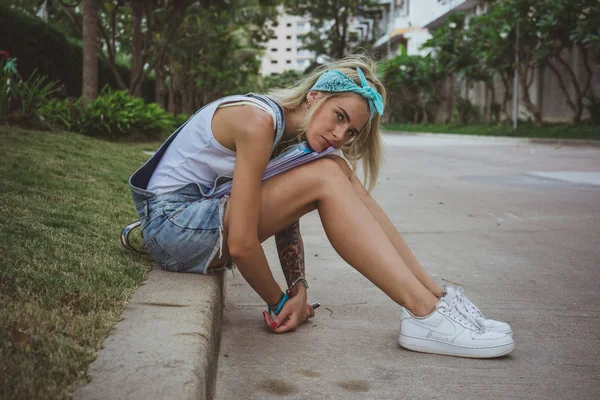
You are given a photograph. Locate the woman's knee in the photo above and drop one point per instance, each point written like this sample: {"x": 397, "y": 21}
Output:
{"x": 333, "y": 165}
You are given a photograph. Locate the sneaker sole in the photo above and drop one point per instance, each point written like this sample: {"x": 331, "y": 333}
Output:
{"x": 435, "y": 347}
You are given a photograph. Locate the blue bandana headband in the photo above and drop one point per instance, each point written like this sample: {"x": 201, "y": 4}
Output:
{"x": 335, "y": 81}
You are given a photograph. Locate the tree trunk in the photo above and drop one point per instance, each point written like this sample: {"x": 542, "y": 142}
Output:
{"x": 174, "y": 88}
{"x": 505, "y": 80}
{"x": 89, "y": 90}
{"x": 492, "y": 90}
{"x": 160, "y": 89}
{"x": 425, "y": 118}
{"x": 137, "y": 9}
{"x": 450, "y": 108}
{"x": 532, "y": 108}
{"x": 187, "y": 95}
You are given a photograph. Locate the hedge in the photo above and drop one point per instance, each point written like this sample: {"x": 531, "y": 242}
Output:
{"x": 36, "y": 44}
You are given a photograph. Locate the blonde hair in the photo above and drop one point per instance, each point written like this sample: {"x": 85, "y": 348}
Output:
{"x": 367, "y": 146}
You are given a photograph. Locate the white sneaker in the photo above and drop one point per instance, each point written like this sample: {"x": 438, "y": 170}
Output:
{"x": 490, "y": 325}
{"x": 450, "y": 330}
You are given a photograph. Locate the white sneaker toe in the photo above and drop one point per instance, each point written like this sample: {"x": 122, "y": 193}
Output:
{"x": 497, "y": 326}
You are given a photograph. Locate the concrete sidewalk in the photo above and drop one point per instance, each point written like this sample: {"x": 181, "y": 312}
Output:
{"x": 479, "y": 213}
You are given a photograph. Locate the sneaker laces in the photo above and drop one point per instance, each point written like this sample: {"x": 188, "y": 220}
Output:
{"x": 458, "y": 310}
{"x": 471, "y": 308}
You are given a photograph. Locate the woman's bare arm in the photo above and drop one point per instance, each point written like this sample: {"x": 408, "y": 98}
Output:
{"x": 253, "y": 135}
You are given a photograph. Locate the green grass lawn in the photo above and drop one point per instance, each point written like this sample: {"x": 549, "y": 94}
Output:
{"x": 527, "y": 130}
{"x": 64, "y": 277}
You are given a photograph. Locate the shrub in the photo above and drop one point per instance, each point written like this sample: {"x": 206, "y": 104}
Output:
{"x": 179, "y": 120}
{"x": 61, "y": 114}
{"x": 116, "y": 115}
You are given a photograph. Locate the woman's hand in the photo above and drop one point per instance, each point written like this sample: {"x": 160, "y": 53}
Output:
{"x": 294, "y": 312}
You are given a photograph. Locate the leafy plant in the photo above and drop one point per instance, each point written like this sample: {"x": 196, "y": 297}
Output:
{"x": 27, "y": 96}
{"x": 20, "y": 100}
{"x": 116, "y": 115}
{"x": 179, "y": 120}
{"x": 61, "y": 114}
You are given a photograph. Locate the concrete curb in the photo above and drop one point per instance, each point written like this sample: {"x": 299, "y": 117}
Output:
{"x": 484, "y": 138}
{"x": 166, "y": 344}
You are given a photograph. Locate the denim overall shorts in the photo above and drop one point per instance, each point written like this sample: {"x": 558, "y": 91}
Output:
{"x": 183, "y": 229}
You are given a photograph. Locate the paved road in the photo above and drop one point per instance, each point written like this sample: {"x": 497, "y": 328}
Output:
{"x": 486, "y": 213}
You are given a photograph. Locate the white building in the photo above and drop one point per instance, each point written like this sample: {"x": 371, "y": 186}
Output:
{"x": 407, "y": 22}
{"x": 283, "y": 51}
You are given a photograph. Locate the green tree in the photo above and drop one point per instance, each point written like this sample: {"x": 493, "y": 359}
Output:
{"x": 413, "y": 86}
{"x": 562, "y": 26}
{"x": 218, "y": 52}
{"x": 456, "y": 58}
{"x": 330, "y": 34}
{"x": 490, "y": 39}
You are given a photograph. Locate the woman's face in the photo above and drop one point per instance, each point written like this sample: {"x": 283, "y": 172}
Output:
{"x": 337, "y": 121}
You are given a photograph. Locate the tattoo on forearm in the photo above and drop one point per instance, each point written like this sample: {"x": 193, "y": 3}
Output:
{"x": 291, "y": 252}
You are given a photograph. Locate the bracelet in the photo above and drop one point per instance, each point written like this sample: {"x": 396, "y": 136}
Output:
{"x": 299, "y": 280}
{"x": 279, "y": 305}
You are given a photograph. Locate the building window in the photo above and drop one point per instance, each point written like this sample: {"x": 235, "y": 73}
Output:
{"x": 288, "y": 61}
{"x": 273, "y": 61}
{"x": 403, "y": 8}
{"x": 288, "y": 49}
{"x": 289, "y": 25}
{"x": 274, "y": 49}
{"x": 288, "y": 37}
{"x": 300, "y": 26}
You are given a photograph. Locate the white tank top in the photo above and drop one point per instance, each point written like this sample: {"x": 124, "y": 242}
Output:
{"x": 195, "y": 155}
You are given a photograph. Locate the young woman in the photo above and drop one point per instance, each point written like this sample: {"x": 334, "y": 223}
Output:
{"x": 188, "y": 229}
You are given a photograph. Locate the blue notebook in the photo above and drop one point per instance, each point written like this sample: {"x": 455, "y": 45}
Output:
{"x": 293, "y": 157}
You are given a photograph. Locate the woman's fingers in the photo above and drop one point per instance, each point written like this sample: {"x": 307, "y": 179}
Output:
{"x": 310, "y": 311}
{"x": 267, "y": 318}
{"x": 288, "y": 319}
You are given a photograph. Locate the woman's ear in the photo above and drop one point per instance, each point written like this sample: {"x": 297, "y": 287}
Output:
{"x": 312, "y": 95}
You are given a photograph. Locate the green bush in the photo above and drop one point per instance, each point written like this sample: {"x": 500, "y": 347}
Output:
{"x": 179, "y": 120}
{"x": 116, "y": 115}
{"x": 61, "y": 114}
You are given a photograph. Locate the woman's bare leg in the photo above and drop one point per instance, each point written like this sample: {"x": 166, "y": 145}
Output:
{"x": 351, "y": 228}
{"x": 394, "y": 236}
